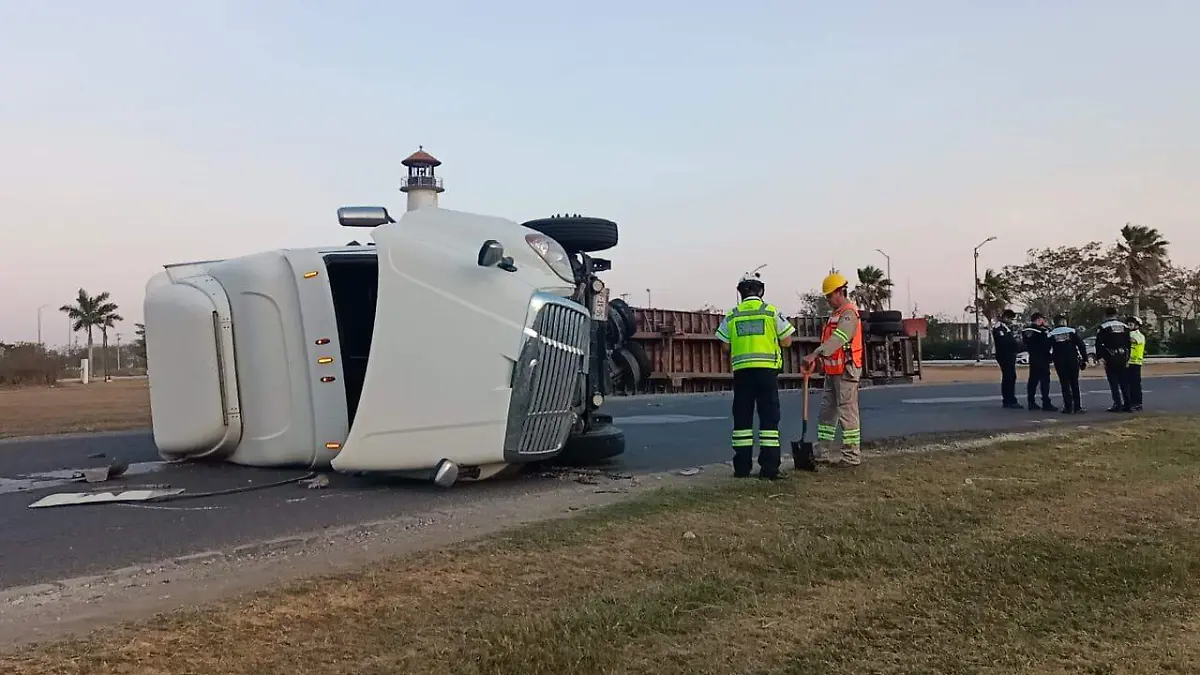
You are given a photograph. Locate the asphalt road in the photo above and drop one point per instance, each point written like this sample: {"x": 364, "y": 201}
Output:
{"x": 663, "y": 433}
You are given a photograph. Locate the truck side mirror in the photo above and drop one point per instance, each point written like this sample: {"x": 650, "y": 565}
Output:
{"x": 363, "y": 216}
{"x": 491, "y": 253}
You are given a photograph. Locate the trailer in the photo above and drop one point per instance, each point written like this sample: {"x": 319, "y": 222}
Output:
{"x": 448, "y": 348}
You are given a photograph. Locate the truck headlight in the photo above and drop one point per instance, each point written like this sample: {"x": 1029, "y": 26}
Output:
{"x": 553, "y": 253}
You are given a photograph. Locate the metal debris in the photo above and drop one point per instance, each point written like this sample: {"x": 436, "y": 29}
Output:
{"x": 80, "y": 498}
{"x": 692, "y": 471}
{"x": 689, "y": 535}
{"x": 316, "y": 483}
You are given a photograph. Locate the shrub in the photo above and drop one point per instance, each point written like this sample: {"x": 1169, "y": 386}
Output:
{"x": 28, "y": 363}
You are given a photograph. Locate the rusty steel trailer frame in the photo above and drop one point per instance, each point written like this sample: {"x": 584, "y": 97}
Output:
{"x": 687, "y": 357}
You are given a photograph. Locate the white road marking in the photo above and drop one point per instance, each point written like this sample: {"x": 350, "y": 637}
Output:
{"x": 665, "y": 419}
{"x": 985, "y": 399}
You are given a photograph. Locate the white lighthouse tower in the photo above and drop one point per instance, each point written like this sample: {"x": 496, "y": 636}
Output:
{"x": 421, "y": 186}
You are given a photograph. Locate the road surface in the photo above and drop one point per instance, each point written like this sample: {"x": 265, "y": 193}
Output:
{"x": 662, "y": 433}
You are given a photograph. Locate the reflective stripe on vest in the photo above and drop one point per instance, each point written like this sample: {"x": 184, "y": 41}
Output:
{"x": 753, "y": 341}
{"x": 1137, "y": 355}
{"x": 836, "y": 363}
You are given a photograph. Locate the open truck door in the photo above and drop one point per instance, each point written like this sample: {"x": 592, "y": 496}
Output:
{"x": 474, "y": 360}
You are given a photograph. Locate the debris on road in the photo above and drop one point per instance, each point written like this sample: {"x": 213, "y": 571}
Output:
{"x": 317, "y": 482}
{"x": 691, "y": 471}
{"x": 80, "y": 498}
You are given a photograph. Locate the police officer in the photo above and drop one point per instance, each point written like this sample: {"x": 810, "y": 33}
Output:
{"x": 841, "y": 354}
{"x": 1137, "y": 356}
{"x": 1036, "y": 337}
{"x": 1005, "y": 346}
{"x": 1070, "y": 356}
{"x": 1113, "y": 347}
{"x": 755, "y": 332}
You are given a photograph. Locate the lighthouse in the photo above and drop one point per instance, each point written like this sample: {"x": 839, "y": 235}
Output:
{"x": 421, "y": 186}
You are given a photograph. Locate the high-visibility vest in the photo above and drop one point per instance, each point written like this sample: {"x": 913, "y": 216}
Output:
{"x": 835, "y": 364}
{"x": 1137, "y": 354}
{"x": 753, "y": 339}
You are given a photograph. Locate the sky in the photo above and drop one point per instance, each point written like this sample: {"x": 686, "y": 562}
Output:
{"x": 720, "y": 136}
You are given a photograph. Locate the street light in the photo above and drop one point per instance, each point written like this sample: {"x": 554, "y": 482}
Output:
{"x": 889, "y": 274}
{"x": 40, "y": 326}
{"x": 649, "y": 303}
{"x": 978, "y": 341}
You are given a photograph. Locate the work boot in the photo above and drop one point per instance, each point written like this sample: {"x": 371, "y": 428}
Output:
{"x": 1136, "y": 408}
{"x": 1034, "y": 406}
{"x": 1068, "y": 410}
{"x": 1013, "y": 405}
{"x": 1126, "y": 408}
{"x": 1114, "y": 408}
{"x": 1049, "y": 407}
{"x": 1079, "y": 410}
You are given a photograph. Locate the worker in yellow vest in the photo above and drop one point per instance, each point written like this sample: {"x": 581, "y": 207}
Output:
{"x": 755, "y": 332}
{"x": 841, "y": 358}
{"x": 1137, "y": 356}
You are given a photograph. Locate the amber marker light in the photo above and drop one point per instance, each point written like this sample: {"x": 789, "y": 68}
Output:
{"x": 333, "y": 446}
{"x": 309, "y": 275}
{"x": 325, "y": 359}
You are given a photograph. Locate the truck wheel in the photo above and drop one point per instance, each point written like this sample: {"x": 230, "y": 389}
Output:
{"x": 886, "y": 328}
{"x": 600, "y": 444}
{"x": 578, "y": 234}
{"x": 633, "y": 364}
{"x": 621, "y": 314}
{"x": 886, "y": 315}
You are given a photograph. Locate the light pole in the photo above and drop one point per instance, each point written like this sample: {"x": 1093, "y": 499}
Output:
{"x": 42, "y": 346}
{"x": 978, "y": 342}
{"x": 889, "y": 275}
{"x": 649, "y": 303}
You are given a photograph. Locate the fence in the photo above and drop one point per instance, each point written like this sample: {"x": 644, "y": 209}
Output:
{"x": 685, "y": 355}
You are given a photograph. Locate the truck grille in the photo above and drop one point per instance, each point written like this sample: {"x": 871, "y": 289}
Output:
{"x": 547, "y": 377}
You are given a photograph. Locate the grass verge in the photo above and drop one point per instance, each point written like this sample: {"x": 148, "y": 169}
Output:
{"x": 1077, "y": 555}
{"x": 72, "y": 407}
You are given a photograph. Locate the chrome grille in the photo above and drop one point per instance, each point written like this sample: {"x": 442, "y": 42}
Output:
{"x": 547, "y": 377}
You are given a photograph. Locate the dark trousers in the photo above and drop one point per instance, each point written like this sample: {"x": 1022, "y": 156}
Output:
{"x": 756, "y": 389}
{"x": 1008, "y": 378}
{"x": 1039, "y": 378}
{"x": 1068, "y": 378}
{"x": 1135, "y": 383}
{"x": 1117, "y": 372}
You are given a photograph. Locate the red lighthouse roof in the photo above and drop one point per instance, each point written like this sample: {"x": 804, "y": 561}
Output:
{"x": 421, "y": 158}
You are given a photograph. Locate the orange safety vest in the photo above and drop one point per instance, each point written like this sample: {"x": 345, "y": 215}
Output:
{"x": 836, "y": 364}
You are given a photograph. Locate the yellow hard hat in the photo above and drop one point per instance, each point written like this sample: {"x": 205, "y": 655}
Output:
{"x": 832, "y": 283}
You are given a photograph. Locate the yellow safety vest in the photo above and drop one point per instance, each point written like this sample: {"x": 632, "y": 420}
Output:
{"x": 753, "y": 339}
{"x": 1137, "y": 353}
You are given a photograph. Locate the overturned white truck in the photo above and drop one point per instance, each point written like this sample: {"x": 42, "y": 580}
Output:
{"x": 449, "y": 349}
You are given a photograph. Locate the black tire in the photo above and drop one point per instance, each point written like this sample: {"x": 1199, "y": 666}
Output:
{"x": 886, "y": 327}
{"x": 886, "y": 316}
{"x": 597, "y": 446}
{"x": 578, "y": 234}
{"x": 621, "y": 316}
{"x": 631, "y": 357}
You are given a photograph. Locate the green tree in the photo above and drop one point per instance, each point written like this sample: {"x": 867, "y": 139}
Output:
{"x": 812, "y": 303}
{"x": 1141, "y": 257}
{"x": 90, "y": 312}
{"x": 995, "y": 294}
{"x": 139, "y": 345}
{"x": 1071, "y": 280}
{"x": 874, "y": 289}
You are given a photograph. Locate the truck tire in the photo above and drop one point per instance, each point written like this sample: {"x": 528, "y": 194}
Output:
{"x": 597, "y": 446}
{"x": 578, "y": 234}
{"x": 633, "y": 364}
{"x": 886, "y": 328}
{"x": 885, "y": 316}
{"x": 621, "y": 317}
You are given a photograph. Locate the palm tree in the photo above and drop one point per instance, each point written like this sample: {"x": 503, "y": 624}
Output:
{"x": 1141, "y": 259}
{"x": 89, "y": 312}
{"x": 139, "y": 329}
{"x": 995, "y": 294}
{"x": 873, "y": 290}
{"x": 109, "y": 322}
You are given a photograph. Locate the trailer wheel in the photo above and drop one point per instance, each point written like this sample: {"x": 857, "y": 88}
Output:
{"x": 597, "y": 446}
{"x": 632, "y": 365}
{"x": 621, "y": 315}
{"x": 886, "y": 316}
{"x": 578, "y": 234}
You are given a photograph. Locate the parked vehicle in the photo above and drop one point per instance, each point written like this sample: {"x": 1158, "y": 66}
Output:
{"x": 451, "y": 348}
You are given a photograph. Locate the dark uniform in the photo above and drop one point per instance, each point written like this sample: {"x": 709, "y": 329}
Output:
{"x": 1113, "y": 346}
{"x": 1006, "y": 347}
{"x": 1037, "y": 344}
{"x": 754, "y": 330}
{"x": 1070, "y": 356}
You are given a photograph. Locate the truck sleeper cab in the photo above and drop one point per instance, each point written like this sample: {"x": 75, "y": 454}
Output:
{"x": 411, "y": 356}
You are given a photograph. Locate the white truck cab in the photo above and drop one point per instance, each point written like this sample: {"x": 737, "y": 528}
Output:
{"x": 448, "y": 349}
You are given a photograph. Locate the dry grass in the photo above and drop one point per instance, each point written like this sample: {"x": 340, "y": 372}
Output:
{"x": 71, "y": 407}
{"x": 990, "y": 372}
{"x": 1079, "y": 555}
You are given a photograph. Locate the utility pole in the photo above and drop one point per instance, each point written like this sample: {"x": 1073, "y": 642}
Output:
{"x": 40, "y": 344}
{"x": 649, "y": 302}
{"x": 978, "y": 341}
{"x": 118, "y": 352}
{"x": 889, "y": 275}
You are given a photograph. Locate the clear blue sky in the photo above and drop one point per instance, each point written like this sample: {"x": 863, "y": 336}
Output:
{"x": 720, "y": 135}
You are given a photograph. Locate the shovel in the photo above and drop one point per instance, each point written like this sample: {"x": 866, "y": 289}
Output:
{"x": 803, "y": 455}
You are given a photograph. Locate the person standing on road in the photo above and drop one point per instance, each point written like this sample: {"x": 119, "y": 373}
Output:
{"x": 1037, "y": 344}
{"x": 1113, "y": 347}
{"x": 756, "y": 333}
{"x": 1005, "y": 348}
{"x": 841, "y": 355}
{"x": 1137, "y": 356}
{"x": 1070, "y": 356}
